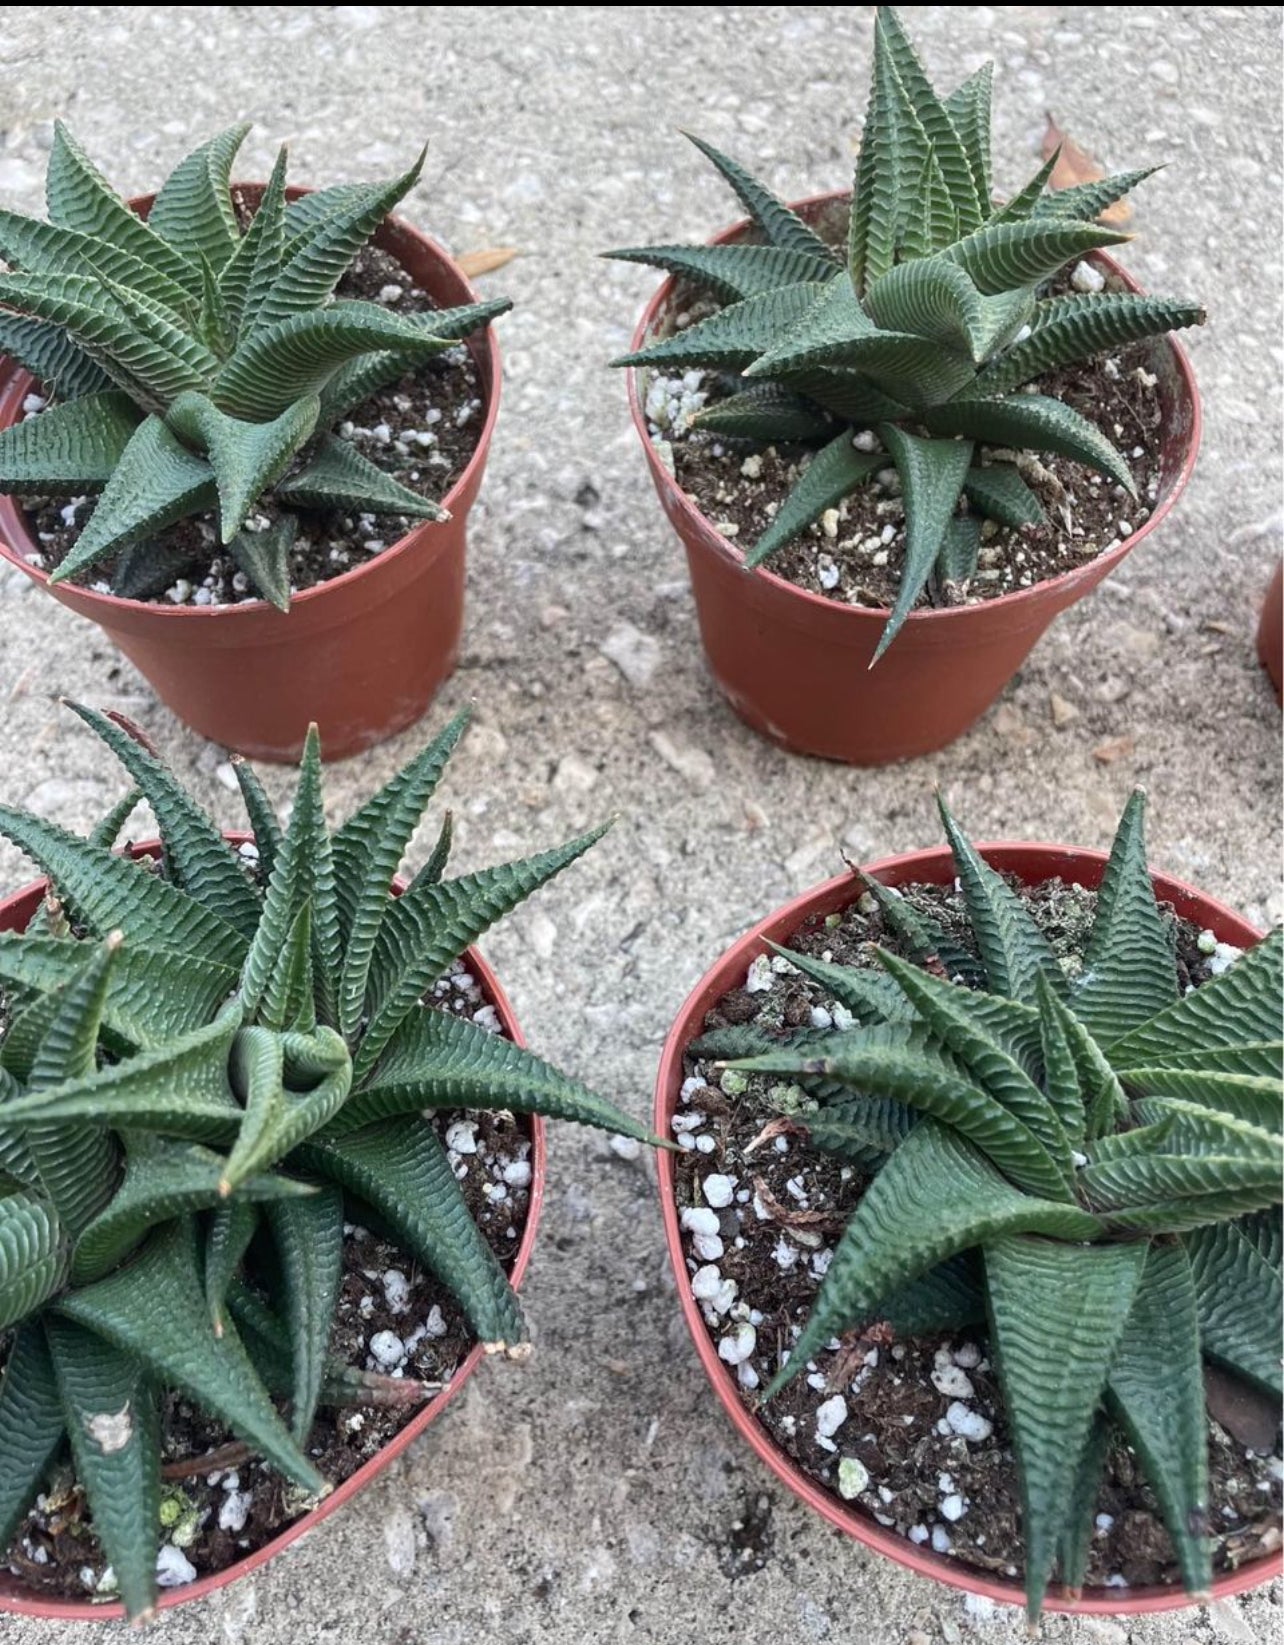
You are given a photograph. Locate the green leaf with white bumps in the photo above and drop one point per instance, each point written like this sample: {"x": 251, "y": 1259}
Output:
{"x": 33, "y": 1255}
{"x": 71, "y": 447}
{"x": 264, "y": 557}
{"x": 1086, "y": 201}
{"x": 336, "y": 475}
{"x": 246, "y": 457}
{"x": 1057, "y": 1315}
{"x": 735, "y": 271}
{"x": 57, "y": 363}
{"x": 1036, "y": 423}
{"x": 308, "y": 1235}
{"x": 401, "y": 1170}
{"x": 193, "y": 209}
{"x": 31, "y": 1424}
{"x": 1004, "y": 255}
{"x": 111, "y": 1415}
{"x": 781, "y": 225}
{"x": 833, "y": 472}
{"x": 736, "y": 335}
{"x": 932, "y": 474}
{"x": 1237, "y": 1279}
{"x": 1075, "y": 327}
{"x": 998, "y": 491}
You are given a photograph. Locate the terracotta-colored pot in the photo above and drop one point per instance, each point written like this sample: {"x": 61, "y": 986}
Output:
{"x": 362, "y": 654}
{"x": 1032, "y": 864}
{"x": 15, "y": 913}
{"x": 796, "y": 666}
{"x": 1270, "y": 631}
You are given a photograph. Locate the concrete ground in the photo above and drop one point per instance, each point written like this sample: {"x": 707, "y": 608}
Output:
{"x": 592, "y": 1494}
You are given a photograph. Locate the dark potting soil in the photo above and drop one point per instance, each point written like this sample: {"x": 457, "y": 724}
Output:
{"x": 422, "y": 430}
{"x": 236, "y": 1503}
{"x": 856, "y": 554}
{"x": 930, "y": 1459}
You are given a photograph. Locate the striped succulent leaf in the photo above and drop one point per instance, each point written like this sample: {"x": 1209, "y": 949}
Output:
{"x": 1109, "y": 1150}
{"x": 202, "y": 1078}
{"x": 196, "y": 364}
{"x": 940, "y": 315}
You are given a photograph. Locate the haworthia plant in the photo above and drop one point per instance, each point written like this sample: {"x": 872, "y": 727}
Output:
{"x": 1109, "y": 1147}
{"x": 204, "y": 1071}
{"x": 195, "y": 364}
{"x": 922, "y": 335}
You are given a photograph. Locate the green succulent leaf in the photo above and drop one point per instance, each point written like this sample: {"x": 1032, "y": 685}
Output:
{"x": 294, "y": 357}
{"x": 76, "y": 1164}
{"x": 925, "y": 939}
{"x": 162, "y": 1180}
{"x": 1058, "y": 1313}
{"x": 71, "y": 447}
{"x": 112, "y": 1418}
{"x": 439, "y": 1060}
{"x": 246, "y": 457}
{"x": 264, "y": 557}
{"x": 928, "y": 219}
{"x": 934, "y": 298}
{"x": 875, "y": 217}
{"x": 198, "y": 858}
{"x": 425, "y": 929}
{"x": 1156, "y": 1387}
{"x": 57, "y": 363}
{"x": 999, "y": 492}
{"x": 833, "y": 472}
{"x": 280, "y": 1113}
{"x": 320, "y": 253}
{"x": 936, "y": 1196}
{"x": 402, "y": 1170}
{"x": 932, "y": 474}
{"x": 193, "y": 209}
{"x": 154, "y": 1307}
{"x": 867, "y": 994}
{"x": 110, "y": 892}
{"x": 1237, "y": 1279}
{"x": 1066, "y": 329}
{"x": 960, "y": 549}
{"x": 782, "y": 227}
{"x": 156, "y": 482}
{"x": 1074, "y": 1544}
{"x": 264, "y": 822}
{"x": 947, "y": 1298}
{"x": 231, "y": 1228}
{"x": 79, "y": 197}
{"x": 303, "y": 872}
{"x": 735, "y": 271}
{"x": 179, "y": 1089}
{"x": 968, "y": 110}
{"x": 336, "y": 475}
{"x": 248, "y": 274}
{"x": 356, "y": 381}
{"x": 1004, "y": 255}
{"x": 766, "y": 413}
{"x": 733, "y": 337}
{"x": 971, "y": 205}
{"x": 1035, "y": 423}
{"x": 1129, "y": 972}
{"x": 1241, "y": 1006}
{"x": 308, "y": 1235}
{"x": 831, "y": 326}
{"x": 1086, "y": 201}
{"x": 33, "y": 1255}
{"x": 368, "y": 850}
{"x": 1022, "y": 204}
{"x": 31, "y": 1424}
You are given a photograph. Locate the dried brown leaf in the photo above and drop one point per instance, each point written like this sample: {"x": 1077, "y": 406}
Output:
{"x": 485, "y": 261}
{"x": 1114, "y": 748}
{"x": 1074, "y": 166}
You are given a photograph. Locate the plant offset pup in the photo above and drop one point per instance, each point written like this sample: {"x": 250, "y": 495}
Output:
{"x": 196, "y": 366}
{"x": 1081, "y": 1156}
{"x": 922, "y": 337}
{"x": 213, "y": 1057}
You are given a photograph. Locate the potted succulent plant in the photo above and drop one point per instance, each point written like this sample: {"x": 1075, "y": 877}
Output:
{"x": 879, "y": 407}
{"x": 239, "y": 1076}
{"x": 993, "y": 1186}
{"x": 243, "y": 426}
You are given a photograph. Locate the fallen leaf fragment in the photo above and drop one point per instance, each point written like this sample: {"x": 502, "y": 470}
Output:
{"x": 1114, "y": 748}
{"x": 1074, "y": 166}
{"x": 485, "y": 261}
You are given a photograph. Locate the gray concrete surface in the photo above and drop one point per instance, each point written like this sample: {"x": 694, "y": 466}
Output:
{"x": 590, "y": 1495}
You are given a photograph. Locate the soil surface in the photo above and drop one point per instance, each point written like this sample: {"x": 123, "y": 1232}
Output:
{"x": 924, "y": 1445}
{"x": 230, "y": 1508}
{"x": 856, "y": 554}
{"x": 422, "y": 430}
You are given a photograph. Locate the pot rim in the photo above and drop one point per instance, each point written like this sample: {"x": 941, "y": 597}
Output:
{"x": 1108, "y": 559}
{"x": 1033, "y": 862}
{"x": 485, "y": 352}
{"x": 16, "y": 1601}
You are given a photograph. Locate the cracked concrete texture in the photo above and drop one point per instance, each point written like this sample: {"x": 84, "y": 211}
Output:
{"x": 591, "y": 1494}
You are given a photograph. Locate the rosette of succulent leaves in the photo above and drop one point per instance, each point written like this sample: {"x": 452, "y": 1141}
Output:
{"x": 1074, "y": 1155}
{"x": 195, "y": 365}
{"x": 924, "y": 333}
{"x": 204, "y": 1072}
